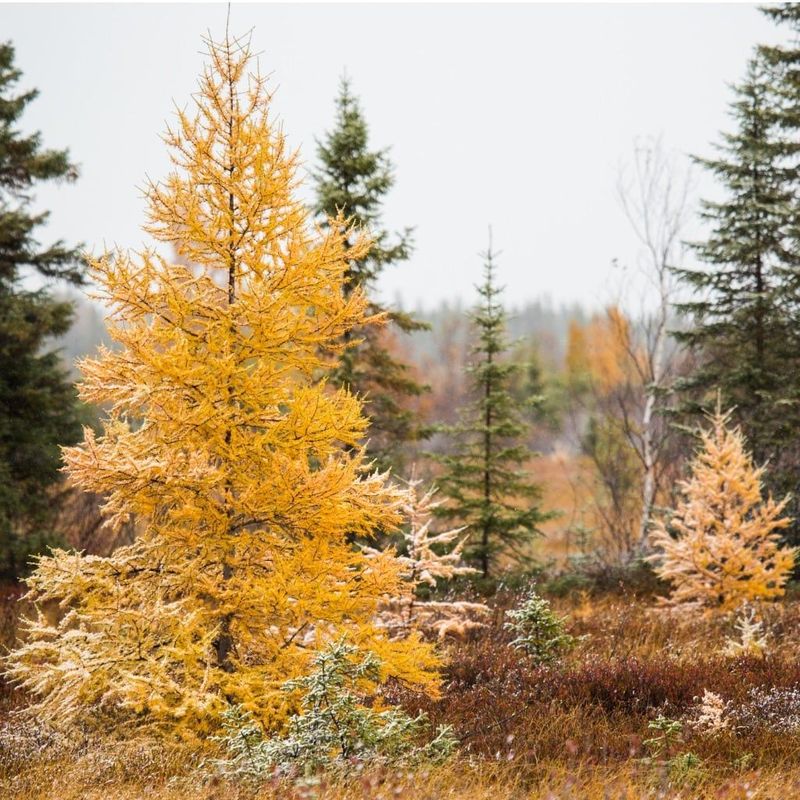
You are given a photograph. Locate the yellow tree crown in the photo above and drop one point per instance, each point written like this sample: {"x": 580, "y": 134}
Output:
{"x": 223, "y": 438}
{"x": 725, "y": 549}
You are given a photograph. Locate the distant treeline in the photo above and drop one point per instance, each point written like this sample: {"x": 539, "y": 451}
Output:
{"x": 539, "y": 322}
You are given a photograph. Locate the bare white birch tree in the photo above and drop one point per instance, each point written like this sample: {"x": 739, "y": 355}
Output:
{"x": 654, "y": 191}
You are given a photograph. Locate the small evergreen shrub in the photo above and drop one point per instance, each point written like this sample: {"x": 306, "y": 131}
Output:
{"x": 680, "y": 767}
{"x": 539, "y": 631}
{"x": 667, "y": 734}
{"x": 334, "y": 730}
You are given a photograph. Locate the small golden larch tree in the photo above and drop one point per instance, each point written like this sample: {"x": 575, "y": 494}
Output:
{"x": 721, "y": 547}
{"x": 225, "y": 442}
{"x": 429, "y": 559}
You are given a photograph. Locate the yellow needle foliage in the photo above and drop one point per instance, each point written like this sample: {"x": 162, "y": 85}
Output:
{"x": 602, "y": 351}
{"x": 224, "y": 440}
{"x": 726, "y": 546}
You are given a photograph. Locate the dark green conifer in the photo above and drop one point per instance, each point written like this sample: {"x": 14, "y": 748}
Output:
{"x": 38, "y": 409}
{"x": 739, "y": 327}
{"x": 484, "y": 479}
{"x": 783, "y": 63}
{"x": 353, "y": 179}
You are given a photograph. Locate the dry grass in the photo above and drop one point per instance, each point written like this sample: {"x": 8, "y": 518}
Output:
{"x": 572, "y": 731}
{"x": 464, "y": 780}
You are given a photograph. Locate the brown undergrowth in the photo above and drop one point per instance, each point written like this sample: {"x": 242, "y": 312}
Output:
{"x": 578, "y": 729}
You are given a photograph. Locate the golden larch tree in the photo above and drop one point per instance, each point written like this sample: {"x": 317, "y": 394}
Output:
{"x": 577, "y": 357}
{"x": 430, "y": 559}
{"x": 224, "y": 441}
{"x": 721, "y": 547}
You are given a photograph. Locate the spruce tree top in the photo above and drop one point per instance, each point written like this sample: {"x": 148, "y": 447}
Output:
{"x": 353, "y": 180}
{"x": 788, "y": 54}
{"x": 23, "y": 163}
{"x": 737, "y": 309}
{"x": 749, "y": 224}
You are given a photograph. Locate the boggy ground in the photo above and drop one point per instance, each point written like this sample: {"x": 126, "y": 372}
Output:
{"x": 578, "y": 729}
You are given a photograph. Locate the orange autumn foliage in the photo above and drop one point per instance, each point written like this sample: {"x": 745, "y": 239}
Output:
{"x": 225, "y": 442}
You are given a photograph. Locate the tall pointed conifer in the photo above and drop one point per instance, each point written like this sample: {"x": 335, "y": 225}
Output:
{"x": 225, "y": 442}
{"x": 783, "y": 62}
{"x": 487, "y": 487}
{"x": 38, "y": 408}
{"x": 742, "y": 329}
{"x": 353, "y": 180}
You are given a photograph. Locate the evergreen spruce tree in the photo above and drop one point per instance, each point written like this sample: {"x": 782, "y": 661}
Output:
{"x": 484, "y": 480}
{"x": 38, "y": 409}
{"x": 742, "y": 325}
{"x": 353, "y": 180}
{"x": 783, "y": 62}
{"x": 529, "y": 388}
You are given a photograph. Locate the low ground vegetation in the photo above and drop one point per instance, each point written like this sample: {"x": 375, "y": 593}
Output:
{"x": 648, "y": 703}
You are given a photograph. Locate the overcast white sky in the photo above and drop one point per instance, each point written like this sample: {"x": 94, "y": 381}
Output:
{"x": 514, "y": 115}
